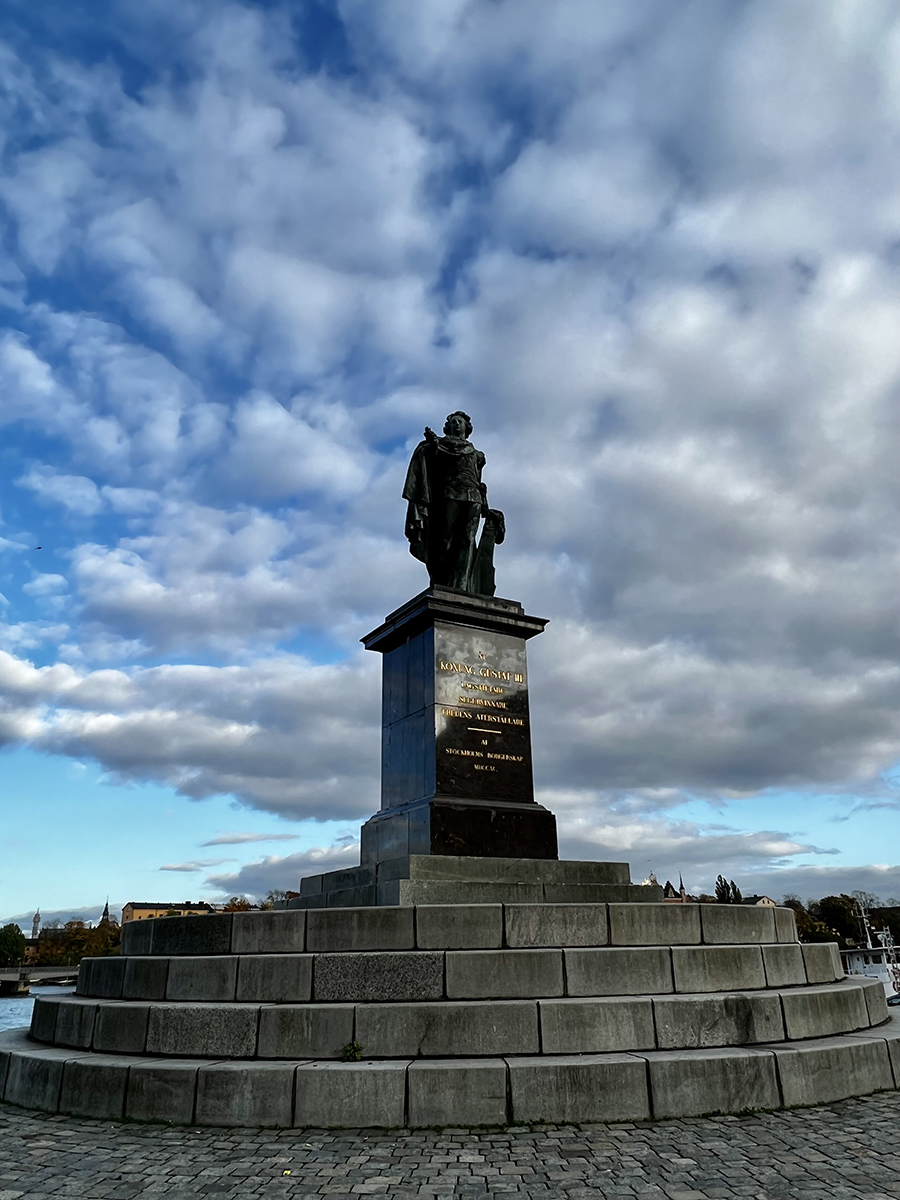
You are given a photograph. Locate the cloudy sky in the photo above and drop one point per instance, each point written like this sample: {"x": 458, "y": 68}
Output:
{"x": 249, "y": 250}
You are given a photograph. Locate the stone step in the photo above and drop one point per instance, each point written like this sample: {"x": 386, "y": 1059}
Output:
{"x": 447, "y": 879}
{"x": 422, "y": 1093}
{"x": 516, "y": 971}
{"x": 460, "y": 926}
{"x": 440, "y": 868}
{"x": 519, "y": 1023}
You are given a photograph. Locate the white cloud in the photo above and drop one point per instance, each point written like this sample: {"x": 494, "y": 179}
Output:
{"x": 241, "y": 839}
{"x": 652, "y": 249}
{"x": 189, "y": 868}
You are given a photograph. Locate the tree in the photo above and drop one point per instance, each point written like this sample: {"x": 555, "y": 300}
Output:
{"x": 727, "y": 892}
{"x": 840, "y": 915}
{"x": 12, "y": 946}
{"x": 237, "y": 904}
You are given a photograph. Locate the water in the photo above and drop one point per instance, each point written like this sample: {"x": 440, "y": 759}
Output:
{"x": 15, "y": 1011}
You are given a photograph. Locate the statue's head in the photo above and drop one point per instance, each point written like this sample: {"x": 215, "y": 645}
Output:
{"x": 458, "y": 424}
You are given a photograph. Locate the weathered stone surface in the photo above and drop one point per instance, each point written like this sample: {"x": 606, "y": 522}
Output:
{"x": 121, "y": 1028}
{"x": 608, "y": 1087}
{"x": 43, "y": 1019}
{"x": 451, "y": 868}
{"x": 34, "y": 1077}
{"x": 305, "y": 1030}
{"x": 474, "y": 1029}
{"x": 819, "y": 960}
{"x": 137, "y": 937}
{"x": 432, "y": 891}
{"x": 504, "y": 974}
{"x": 890, "y": 1035}
{"x": 252, "y": 1094}
{"x": 589, "y": 893}
{"x": 350, "y": 897}
{"x": 269, "y": 932}
{"x": 145, "y": 978}
{"x": 645, "y": 970}
{"x": 163, "y": 1090}
{"x": 459, "y": 926}
{"x": 596, "y": 1025}
{"x": 832, "y": 1069}
{"x": 94, "y": 1086}
{"x": 331, "y": 1095}
{"x": 275, "y": 978}
{"x": 470, "y": 1091}
{"x": 876, "y": 1001}
{"x": 203, "y": 1030}
{"x": 556, "y": 925}
{"x": 192, "y": 935}
{"x": 734, "y": 924}
{"x": 693, "y": 1083}
{"x": 654, "y": 924}
{"x": 814, "y": 1012}
{"x": 75, "y": 1022}
{"x": 736, "y": 1019}
{"x": 381, "y": 975}
{"x": 108, "y": 977}
{"x": 334, "y": 929}
{"x": 211, "y": 978}
{"x": 784, "y": 965}
{"x": 717, "y": 968}
{"x": 785, "y": 925}
{"x": 83, "y": 982}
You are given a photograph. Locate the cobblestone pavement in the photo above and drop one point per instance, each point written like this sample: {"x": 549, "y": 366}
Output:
{"x": 828, "y": 1153}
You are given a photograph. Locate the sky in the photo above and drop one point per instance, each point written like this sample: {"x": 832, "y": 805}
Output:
{"x": 249, "y": 251}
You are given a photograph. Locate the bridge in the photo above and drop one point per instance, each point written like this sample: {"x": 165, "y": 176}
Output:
{"x": 37, "y": 974}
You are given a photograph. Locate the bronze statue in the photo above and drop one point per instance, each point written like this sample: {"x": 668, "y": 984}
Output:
{"x": 446, "y": 503}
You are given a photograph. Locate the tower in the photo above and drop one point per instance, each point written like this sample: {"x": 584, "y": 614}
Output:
{"x": 35, "y": 925}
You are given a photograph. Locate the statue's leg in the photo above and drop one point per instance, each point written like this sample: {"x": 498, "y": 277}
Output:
{"x": 463, "y": 533}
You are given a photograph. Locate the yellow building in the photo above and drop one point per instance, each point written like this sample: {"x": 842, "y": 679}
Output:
{"x": 136, "y": 911}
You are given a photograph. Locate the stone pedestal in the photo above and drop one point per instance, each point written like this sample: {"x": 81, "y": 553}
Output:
{"x": 456, "y": 739}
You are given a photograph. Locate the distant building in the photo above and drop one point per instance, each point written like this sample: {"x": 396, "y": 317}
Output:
{"x": 35, "y": 925}
{"x": 679, "y": 895}
{"x": 760, "y": 901}
{"x": 137, "y": 911}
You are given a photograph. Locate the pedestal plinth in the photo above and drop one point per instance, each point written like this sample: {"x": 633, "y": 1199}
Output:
{"x": 456, "y": 738}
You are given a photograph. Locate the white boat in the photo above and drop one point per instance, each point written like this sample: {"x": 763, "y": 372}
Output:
{"x": 877, "y": 962}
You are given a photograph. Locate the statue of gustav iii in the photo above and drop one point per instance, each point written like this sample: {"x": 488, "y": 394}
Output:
{"x": 446, "y": 503}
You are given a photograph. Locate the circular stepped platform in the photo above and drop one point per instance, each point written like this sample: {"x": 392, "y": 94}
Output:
{"x": 464, "y": 1015}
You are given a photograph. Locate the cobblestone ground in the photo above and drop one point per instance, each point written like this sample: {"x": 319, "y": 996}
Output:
{"x": 828, "y": 1153}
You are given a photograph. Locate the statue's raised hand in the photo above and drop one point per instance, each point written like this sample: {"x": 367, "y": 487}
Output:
{"x": 430, "y": 436}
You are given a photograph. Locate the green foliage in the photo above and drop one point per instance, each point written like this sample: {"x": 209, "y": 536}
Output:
{"x": 839, "y": 914}
{"x": 727, "y": 892}
{"x": 12, "y": 946}
{"x": 352, "y": 1052}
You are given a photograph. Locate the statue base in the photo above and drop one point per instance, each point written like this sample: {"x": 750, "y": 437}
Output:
{"x": 466, "y": 828}
{"x": 456, "y": 742}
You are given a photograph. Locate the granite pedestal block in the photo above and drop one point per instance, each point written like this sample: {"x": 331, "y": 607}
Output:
{"x": 456, "y": 739}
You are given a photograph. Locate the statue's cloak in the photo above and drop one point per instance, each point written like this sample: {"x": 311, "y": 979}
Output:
{"x": 417, "y": 491}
